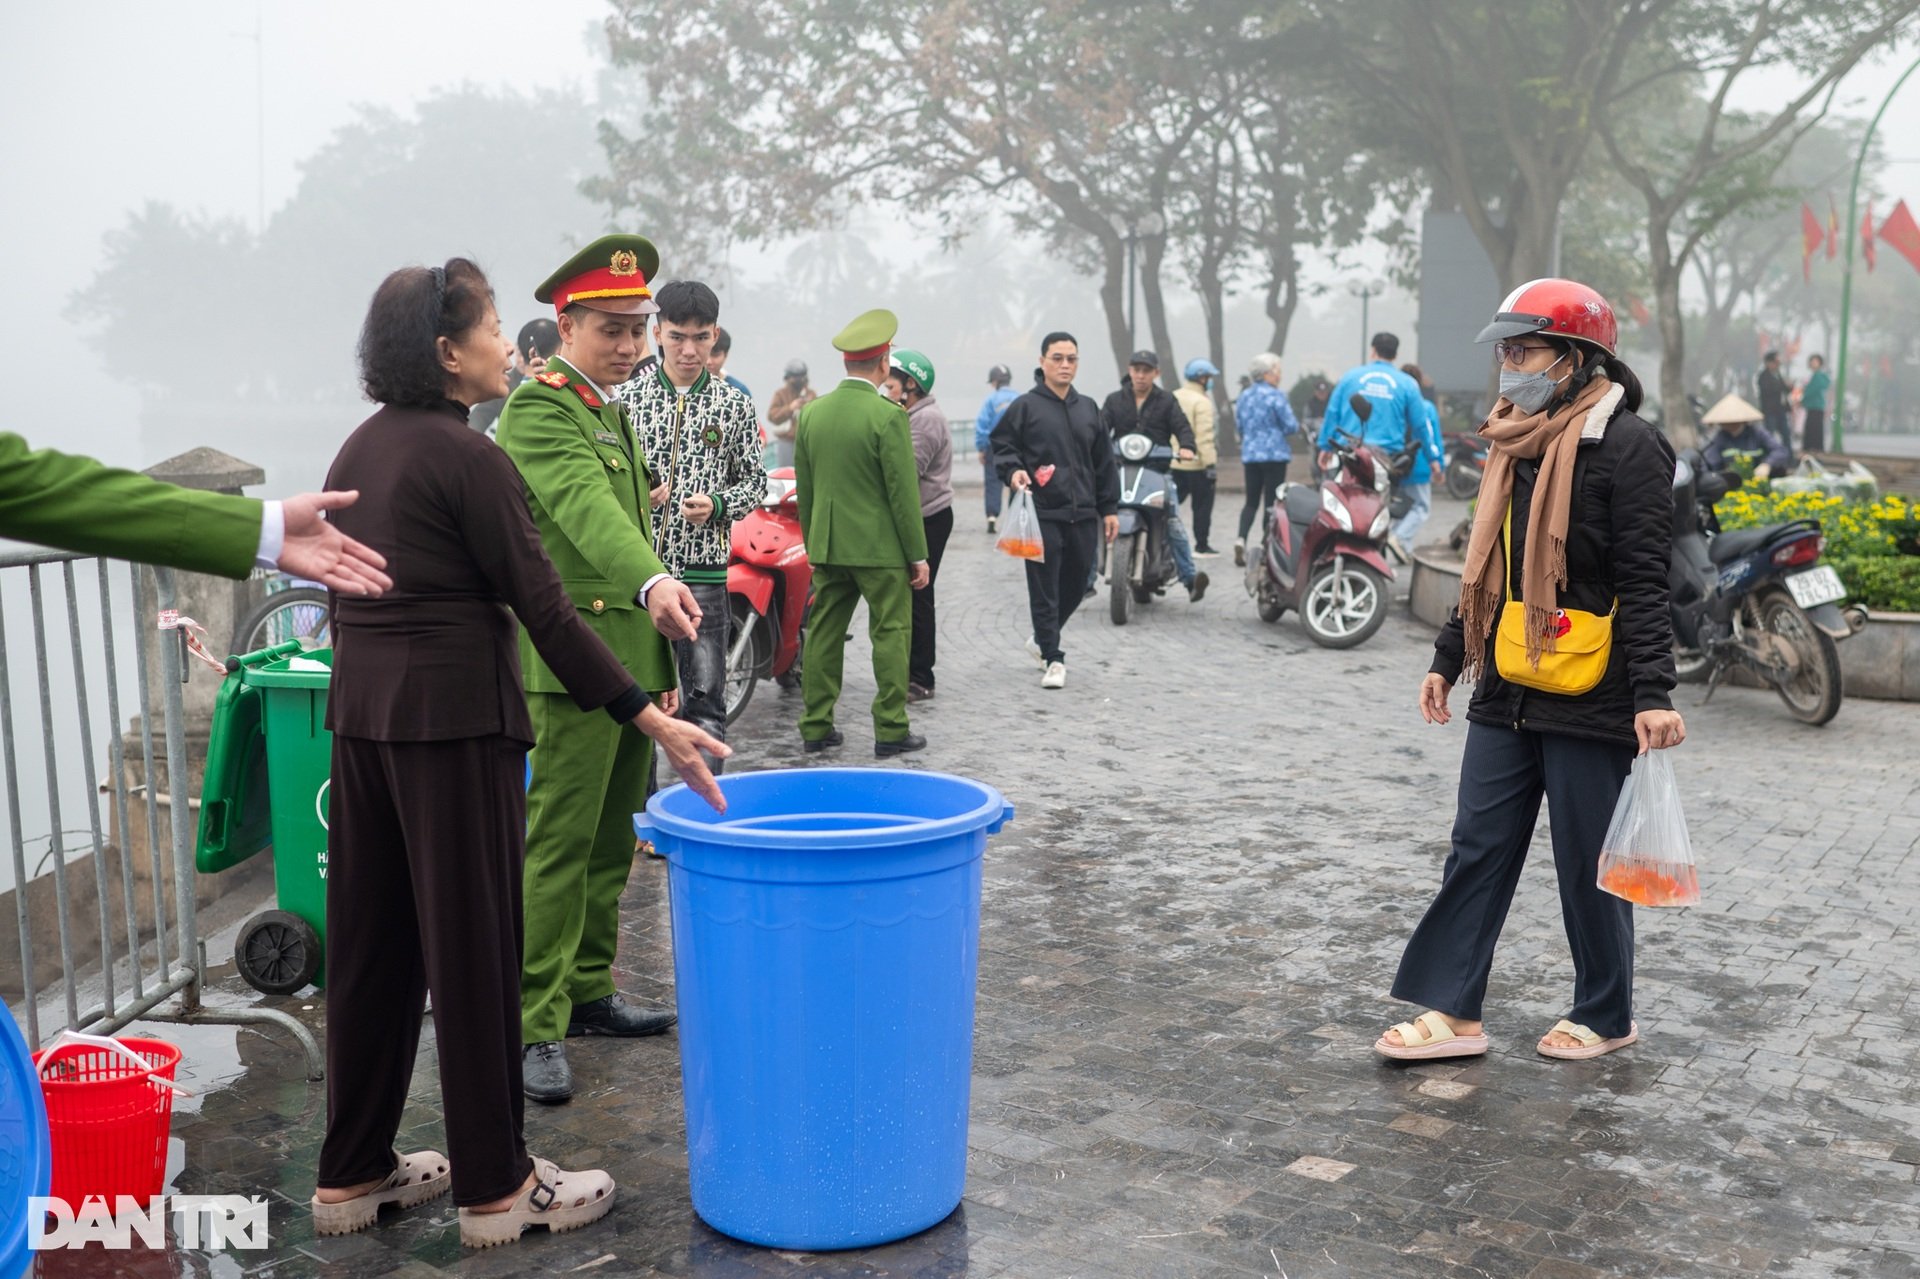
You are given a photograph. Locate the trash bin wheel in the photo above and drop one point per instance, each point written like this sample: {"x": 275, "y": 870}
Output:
{"x": 277, "y": 952}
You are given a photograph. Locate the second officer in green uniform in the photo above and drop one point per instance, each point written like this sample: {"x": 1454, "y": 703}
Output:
{"x": 588, "y": 490}
{"x": 859, "y": 497}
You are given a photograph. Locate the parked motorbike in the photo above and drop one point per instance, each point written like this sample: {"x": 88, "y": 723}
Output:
{"x": 1323, "y": 552}
{"x": 1466, "y": 463}
{"x": 1756, "y": 599}
{"x": 1140, "y": 560}
{"x": 769, "y": 591}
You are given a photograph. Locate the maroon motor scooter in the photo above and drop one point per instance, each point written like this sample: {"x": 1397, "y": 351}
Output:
{"x": 769, "y": 592}
{"x": 1324, "y": 550}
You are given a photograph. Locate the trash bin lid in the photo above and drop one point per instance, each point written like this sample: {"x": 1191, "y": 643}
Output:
{"x": 236, "y": 820}
{"x": 295, "y": 671}
{"x": 26, "y": 1159}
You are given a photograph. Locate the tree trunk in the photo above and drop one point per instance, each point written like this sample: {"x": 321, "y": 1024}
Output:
{"x": 1283, "y": 294}
{"x": 1113, "y": 297}
{"x": 1665, "y": 275}
{"x": 1213, "y": 304}
{"x": 1153, "y": 255}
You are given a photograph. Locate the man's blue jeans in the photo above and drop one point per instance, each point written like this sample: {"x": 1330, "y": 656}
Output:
{"x": 1422, "y": 495}
{"x": 992, "y": 478}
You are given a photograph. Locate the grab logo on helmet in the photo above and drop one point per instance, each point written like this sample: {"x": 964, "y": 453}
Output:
{"x": 1564, "y": 308}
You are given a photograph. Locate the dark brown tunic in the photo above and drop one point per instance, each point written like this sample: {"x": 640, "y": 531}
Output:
{"x": 435, "y": 657}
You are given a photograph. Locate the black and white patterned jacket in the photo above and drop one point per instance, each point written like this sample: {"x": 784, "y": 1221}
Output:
{"x": 719, "y": 455}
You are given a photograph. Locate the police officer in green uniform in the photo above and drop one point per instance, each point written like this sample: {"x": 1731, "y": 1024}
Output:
{"x": 574, "y": 448}
{"x": 859, "y": 497}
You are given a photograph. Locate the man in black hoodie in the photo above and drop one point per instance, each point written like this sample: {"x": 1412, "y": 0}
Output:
{"x": 1051, "y": 442}
{"x": 1143, "y": 407}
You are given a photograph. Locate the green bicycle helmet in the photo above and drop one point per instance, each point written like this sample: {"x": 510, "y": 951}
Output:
{"x": 916, "y": 366}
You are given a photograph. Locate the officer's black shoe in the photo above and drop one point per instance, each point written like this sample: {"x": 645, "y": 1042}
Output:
{"x": 818, "y": 744}
{"x": 911, "y": 742}
{"x": 615, "y": 1016}
{"x": 544, "y": 1073}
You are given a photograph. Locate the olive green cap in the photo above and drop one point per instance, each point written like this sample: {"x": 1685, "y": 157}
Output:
{"x": 611, "y": 274}
{"x": 867, "y": 337}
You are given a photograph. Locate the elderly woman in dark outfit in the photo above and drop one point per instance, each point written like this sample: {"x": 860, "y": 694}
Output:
{"x": 428, "y": 806}
{"x": 1588, "y": 485}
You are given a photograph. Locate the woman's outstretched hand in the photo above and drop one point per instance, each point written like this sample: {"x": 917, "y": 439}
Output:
{"x": 682, "y": 744}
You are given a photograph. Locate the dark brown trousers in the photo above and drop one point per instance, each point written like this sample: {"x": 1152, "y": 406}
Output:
{"x": 424, "y": 860}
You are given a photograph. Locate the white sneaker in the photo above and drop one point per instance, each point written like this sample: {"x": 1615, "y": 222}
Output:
{"x": 1056, "y": 676}
{"x": 1240, "y": 553}
{"x": 1033, "y": 651}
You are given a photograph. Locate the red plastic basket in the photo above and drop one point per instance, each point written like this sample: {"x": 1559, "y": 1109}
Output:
{"x": 108, "y": 1118}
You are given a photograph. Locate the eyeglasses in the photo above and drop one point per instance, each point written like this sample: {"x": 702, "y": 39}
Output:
{"x": 1063, "y": 359}
{"x": 1516, "y": 352}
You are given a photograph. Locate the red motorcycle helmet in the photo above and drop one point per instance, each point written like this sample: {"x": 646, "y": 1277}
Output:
{"x": 1563, "y": 308}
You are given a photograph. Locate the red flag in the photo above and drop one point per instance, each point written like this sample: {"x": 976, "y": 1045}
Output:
{"x": 1810, "y": 237}
{"x": 1833, "y": 228}
{"x": 1866, "y": 235}
{"x": 1902, "y": 234}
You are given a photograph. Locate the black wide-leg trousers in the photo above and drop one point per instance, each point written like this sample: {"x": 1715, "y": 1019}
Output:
{"x": 424, "y": 864}
{"x": 1504, "y": 774}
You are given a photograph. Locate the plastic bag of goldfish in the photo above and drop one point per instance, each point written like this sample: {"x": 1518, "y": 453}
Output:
{"x": 1647, "y": 857}
{"x": 1020, "y": 528}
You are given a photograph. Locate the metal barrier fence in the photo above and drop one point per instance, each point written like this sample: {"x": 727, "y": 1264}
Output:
{"x": 134, "y": 969}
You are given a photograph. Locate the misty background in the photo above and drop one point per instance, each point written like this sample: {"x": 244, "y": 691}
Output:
{"x": 309, "y": 148}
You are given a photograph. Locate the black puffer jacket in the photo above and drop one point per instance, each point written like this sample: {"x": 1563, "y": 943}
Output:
{"x": 1619, "y": 534}
{"x": 1160, "y": 418}
{"x": 1041, "y": 429}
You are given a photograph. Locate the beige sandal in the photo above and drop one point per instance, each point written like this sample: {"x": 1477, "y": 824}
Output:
{"x": 560, "y": 1201}
{"x": 1428, "y": 1037}
{"x": 418, "y": 1177}
{"x": 1591, "y": 1043}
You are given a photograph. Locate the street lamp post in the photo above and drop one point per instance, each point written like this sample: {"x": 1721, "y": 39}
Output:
{"x": 1846, "y": 280}
{"x": 1366, "y": 291}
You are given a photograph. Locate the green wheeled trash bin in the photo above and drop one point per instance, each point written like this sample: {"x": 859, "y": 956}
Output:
{"x": 269, "y": 767}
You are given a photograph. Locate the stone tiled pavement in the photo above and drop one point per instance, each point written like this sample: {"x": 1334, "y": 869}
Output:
{"x": 1224, "y": 835}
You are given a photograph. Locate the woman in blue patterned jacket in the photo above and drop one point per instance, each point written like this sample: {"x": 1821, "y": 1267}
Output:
{"x": 1265, "y": 420}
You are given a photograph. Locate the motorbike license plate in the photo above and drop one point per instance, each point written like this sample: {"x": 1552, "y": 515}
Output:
{"x": 1816, "y": 586}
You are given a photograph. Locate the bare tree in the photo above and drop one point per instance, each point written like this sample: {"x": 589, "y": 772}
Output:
{"x": 1696, "y": 171}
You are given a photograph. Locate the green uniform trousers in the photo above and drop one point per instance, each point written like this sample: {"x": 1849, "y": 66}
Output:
{"x": 589, "y": 779}
{"x": 836, "y": 590}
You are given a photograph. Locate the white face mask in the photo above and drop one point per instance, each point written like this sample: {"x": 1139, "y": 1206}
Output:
{"x": 1529, "y": 392}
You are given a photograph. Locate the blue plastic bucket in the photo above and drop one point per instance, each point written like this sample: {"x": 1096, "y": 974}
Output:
{"x": 26, "y": 1152}
{"x": 826, "y": 933}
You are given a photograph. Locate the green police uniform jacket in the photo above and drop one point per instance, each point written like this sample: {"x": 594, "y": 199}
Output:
{"x": 858, "y": 488}
{"x": 575, "y": 454}
{"x": 78, "y": 504}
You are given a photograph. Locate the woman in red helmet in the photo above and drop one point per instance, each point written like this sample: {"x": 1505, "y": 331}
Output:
{"x": 1586, "y": 485}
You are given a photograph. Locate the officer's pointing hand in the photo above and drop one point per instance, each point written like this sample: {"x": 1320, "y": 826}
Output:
{"x": 319, "y": 552}
{"x": 671, "y": 606}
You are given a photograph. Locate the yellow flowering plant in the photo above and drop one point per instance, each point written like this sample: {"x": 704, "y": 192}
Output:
{"x": 1874, "y": 546}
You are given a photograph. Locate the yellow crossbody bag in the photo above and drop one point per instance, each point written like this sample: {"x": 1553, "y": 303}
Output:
{"x": 1582, "y": 641}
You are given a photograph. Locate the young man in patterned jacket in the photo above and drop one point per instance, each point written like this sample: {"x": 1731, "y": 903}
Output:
{"x": 702, "y": 447}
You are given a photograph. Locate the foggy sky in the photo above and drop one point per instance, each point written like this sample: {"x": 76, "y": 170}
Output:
{"x": 111, "y": 105}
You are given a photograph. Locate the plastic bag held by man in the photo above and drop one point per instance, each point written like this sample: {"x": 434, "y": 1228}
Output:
{"x": 1647, "y": 857}
{"x": 1020, "y": 529}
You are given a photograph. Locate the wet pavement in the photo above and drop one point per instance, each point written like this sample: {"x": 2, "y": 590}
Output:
{"x": 1224, "y": 835}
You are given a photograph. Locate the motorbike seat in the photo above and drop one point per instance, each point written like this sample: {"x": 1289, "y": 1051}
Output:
{"x": 1303, "y": 503}
{"x": 1727, "y": 547}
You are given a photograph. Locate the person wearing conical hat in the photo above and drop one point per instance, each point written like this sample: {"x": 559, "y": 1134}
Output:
{"x": 571, "y": 439}
{"x": 1740, "y": 434}
{"x": 859, "y": 494}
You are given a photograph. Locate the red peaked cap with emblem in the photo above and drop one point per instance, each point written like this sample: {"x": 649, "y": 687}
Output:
{"x": 611, "y": 274}
{"x": 1563, "y": 308}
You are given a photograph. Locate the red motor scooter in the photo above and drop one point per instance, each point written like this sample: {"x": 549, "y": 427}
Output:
{"x": 1324, "y": 550}
{"x": 769, "y": 591}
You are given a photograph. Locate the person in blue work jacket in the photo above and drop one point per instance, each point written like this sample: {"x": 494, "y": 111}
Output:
{"x": 1399, "y": 417}
{"x": 1428, "y": 457}
{"x": 1000, "y": 377}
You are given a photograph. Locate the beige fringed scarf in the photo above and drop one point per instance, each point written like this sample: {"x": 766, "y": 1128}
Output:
{"x": 1553, "y": 437}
